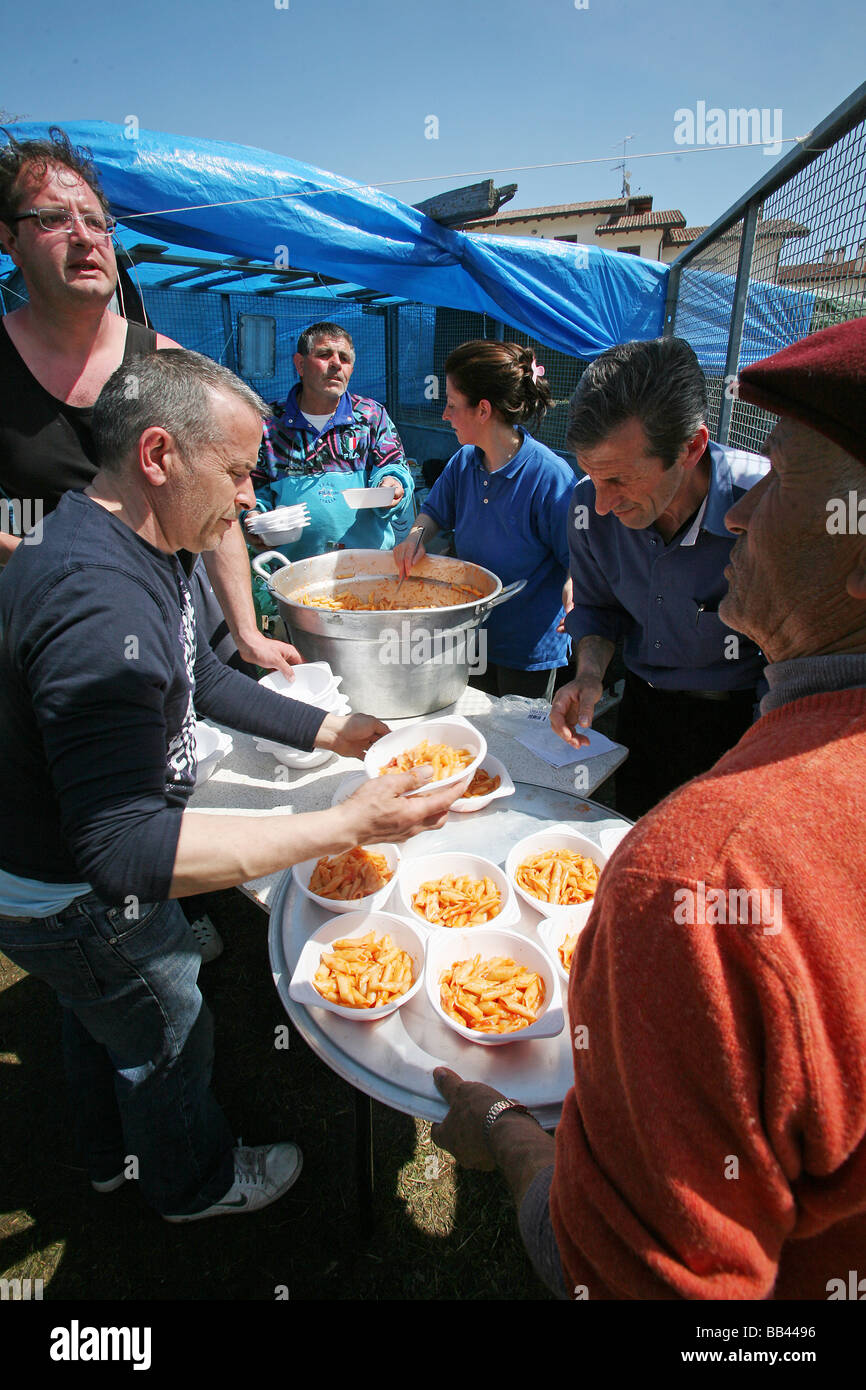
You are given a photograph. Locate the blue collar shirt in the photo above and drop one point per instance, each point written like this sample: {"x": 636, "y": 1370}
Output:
{"x": 513, "y": 522}
{"x": 662, "y": 597}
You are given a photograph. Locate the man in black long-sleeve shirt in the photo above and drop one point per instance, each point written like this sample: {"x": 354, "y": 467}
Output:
{"x": 100, "y": 681}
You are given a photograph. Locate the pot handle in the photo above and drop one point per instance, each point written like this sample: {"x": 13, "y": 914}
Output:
{"x": 508, "y": 592}
{"x": 259, "y": 562}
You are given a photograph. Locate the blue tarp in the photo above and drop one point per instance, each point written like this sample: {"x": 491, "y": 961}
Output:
{"x": 774, "y": 316}
{"x": 240, "y": 201}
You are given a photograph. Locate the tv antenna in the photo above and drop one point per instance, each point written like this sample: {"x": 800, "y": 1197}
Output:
{"x": 626, "y": 173}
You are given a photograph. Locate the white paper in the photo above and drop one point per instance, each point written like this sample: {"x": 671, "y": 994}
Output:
{"x": 540, "y": 738}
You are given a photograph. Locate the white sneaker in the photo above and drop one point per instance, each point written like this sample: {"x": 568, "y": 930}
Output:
{"x": 261, "y": 1176}
{"x": 207, "y": 939}
{"x": 108, "y": 1184}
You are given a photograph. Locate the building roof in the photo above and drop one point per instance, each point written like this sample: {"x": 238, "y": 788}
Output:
{"x": 599, "y": 205}
{"x": 684, "y": 236}
{"x": 773, "y": 227}
{"x": 643, "y": 222}
{"x": 820, "y": 270}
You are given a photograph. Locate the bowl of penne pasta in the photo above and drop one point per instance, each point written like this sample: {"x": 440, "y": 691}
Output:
{"x": 451, "y": 890}
{"x": 560, "y": 935}
{"x": 491, "y": 781}
{"x": 450, "y": 746}
{"x": 361, "y": 967}
{"x": 358, "y": 879}
{"x": 492, "y": 986}
{"x": 556, "y": 871}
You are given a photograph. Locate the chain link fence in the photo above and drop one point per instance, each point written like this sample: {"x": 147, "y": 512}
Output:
{"x": 426, "y": 338}
{"x": 785, "y": 261}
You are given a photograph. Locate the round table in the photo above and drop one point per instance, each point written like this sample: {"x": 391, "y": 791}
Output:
{"x": 393, "y": 1059}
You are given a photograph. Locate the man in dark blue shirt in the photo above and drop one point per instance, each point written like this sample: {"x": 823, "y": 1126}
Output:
{"x": 648, "y": 548}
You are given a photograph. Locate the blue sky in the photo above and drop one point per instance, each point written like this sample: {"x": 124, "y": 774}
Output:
{"x": 349, "y": 85}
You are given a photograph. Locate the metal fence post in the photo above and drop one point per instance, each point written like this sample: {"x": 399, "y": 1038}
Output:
{"x": 738, "y": 316}
{"x": 673, "y": 295}
{"x": 230, "y": 355}
{"x": 392, "y": 360}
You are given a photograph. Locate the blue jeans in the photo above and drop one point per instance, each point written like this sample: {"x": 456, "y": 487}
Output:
{"x": 137, "y": 1044}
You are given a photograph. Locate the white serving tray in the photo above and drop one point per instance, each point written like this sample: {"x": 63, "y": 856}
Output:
{"x": 393, "y": 1060}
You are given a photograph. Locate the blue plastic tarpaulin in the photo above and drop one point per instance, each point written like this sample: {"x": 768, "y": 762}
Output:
{"x": 239, "y": 201}
{"x": 774, "y": 316}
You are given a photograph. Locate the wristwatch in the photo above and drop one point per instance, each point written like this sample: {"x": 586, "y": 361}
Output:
{"x": 498, "y": 1108}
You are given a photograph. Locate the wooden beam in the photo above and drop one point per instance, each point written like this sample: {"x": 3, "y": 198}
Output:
{"x": 467, "y": 204}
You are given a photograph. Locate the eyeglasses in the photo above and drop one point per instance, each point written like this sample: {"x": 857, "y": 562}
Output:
{"x": 62, "y": 220}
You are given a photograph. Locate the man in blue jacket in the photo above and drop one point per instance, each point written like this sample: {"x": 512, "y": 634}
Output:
{"x": 323, "y": 440}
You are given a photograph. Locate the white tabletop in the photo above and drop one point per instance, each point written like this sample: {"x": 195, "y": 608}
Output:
{"x": 393, "y": 1059}
{"x": 250, "y": 782}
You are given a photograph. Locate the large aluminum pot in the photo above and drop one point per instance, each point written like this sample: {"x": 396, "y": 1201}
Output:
{"x": 397, "y": 662}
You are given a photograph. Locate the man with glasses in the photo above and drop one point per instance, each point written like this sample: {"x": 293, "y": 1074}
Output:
{"x": 56, "y": 353}
{"x": 58, "y": 350}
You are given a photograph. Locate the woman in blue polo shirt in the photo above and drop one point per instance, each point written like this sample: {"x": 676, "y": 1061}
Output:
{"x": 506, "y": 498}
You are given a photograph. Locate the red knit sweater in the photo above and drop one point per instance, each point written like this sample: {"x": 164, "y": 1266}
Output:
{"x": 714, "y": 1143}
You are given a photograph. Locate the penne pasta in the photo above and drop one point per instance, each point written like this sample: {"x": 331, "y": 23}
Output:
{"x": 493, "y": 996}
{"x": 559, "y": 876}
{"x": 356, "y": 873}
{"x": 458, "y": 901}
{"x": 363, "y": 973}
{"x": 443, "y": 759}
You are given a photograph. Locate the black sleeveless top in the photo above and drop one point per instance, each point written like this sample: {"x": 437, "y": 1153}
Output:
{"x": 46, "y": 446}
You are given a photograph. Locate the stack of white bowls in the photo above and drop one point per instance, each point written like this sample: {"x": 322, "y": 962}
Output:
{"x": 314, "y": 684}
{"x": 282, "y": 526}
{"x": 211, "y": 746}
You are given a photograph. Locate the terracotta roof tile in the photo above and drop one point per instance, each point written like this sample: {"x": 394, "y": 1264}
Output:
{"x": 643, "y": 222}
{"x": 559, "y": 210}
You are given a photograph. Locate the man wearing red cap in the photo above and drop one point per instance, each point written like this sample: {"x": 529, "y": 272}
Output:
{"x": 714, "y": 1143}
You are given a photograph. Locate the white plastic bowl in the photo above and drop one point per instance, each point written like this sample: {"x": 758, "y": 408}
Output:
{"x": 348, "y": 787}
{"x": 284, "y": 516}
{"x": 558, "y": 837}
{"x": 553, "y": 931}
{"x": 282, "y": 526}
{"x": 446, "y": 947}
{"x": 403, "y": 934}
{"x": 435, "y": 866}
{"x": 314, "y": 681}
{"x": 294, "y": 757}
{"x": 304, "y": 872}
{"x": 314, "y": 684}
{"x": 451, "y": 729}
{"x": 359, "y": 497}
{"x": 211, "y": 746}
{"x": 494, "y": 768}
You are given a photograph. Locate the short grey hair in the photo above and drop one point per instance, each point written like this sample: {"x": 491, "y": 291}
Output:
{"x": 317, "y": 331}
{"x": 173, "y": 389}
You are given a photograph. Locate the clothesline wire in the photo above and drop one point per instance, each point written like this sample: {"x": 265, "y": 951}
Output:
{"x": 466, "y": 174}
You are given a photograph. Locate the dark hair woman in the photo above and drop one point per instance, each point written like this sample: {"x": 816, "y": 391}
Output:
{"x": 506, "y": 498}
